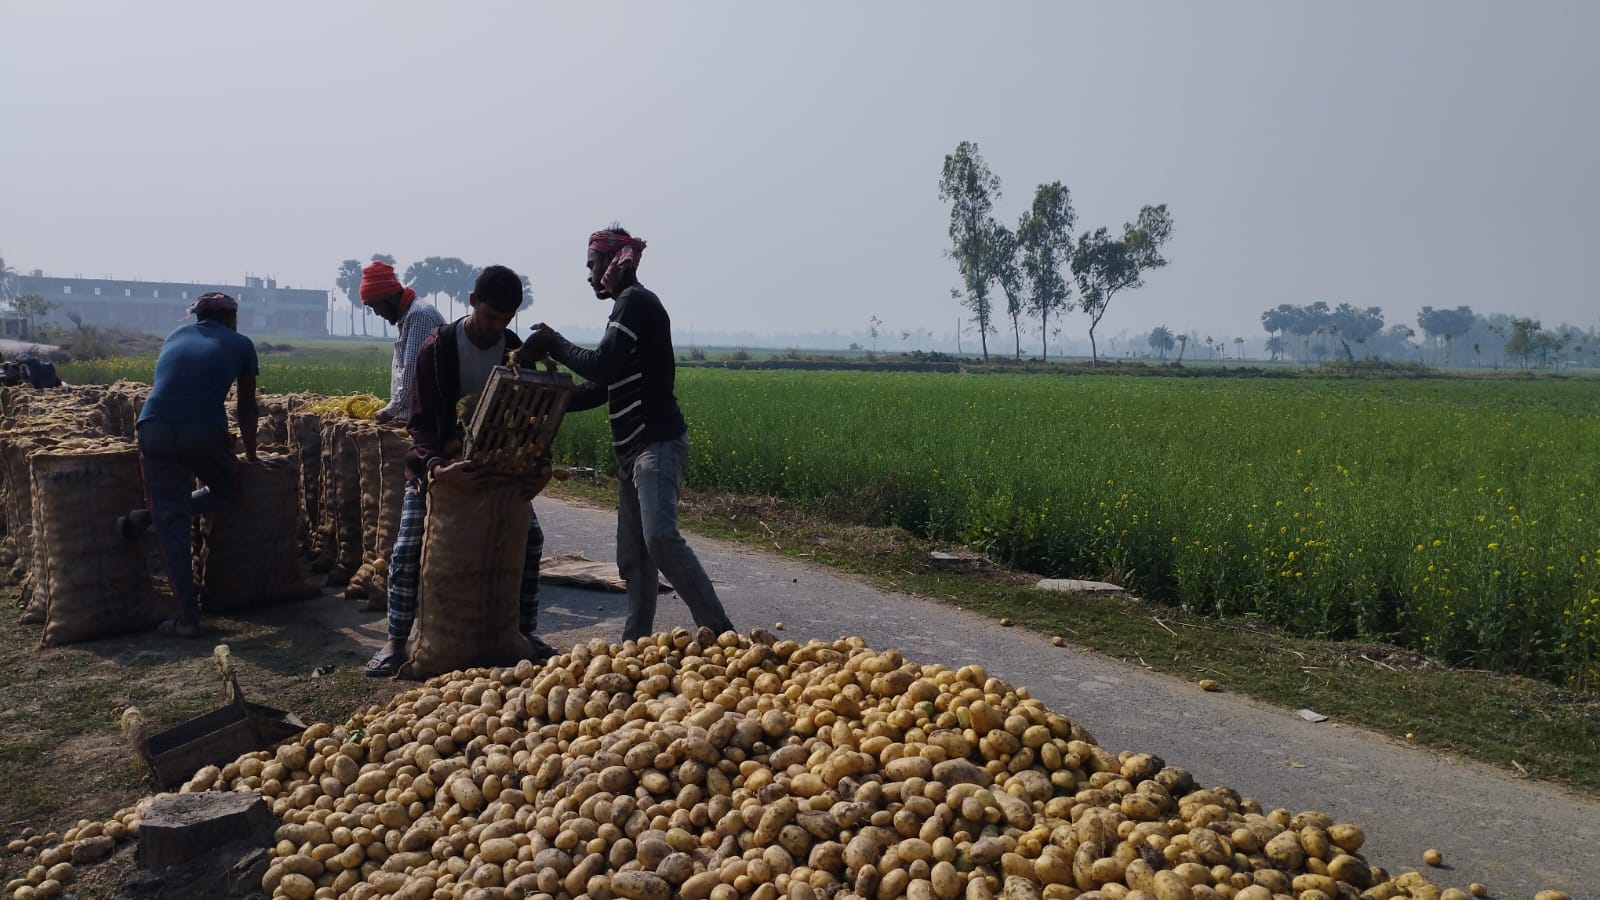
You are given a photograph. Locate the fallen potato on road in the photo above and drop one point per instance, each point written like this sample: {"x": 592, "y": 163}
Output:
{"x": 703, "y": 766}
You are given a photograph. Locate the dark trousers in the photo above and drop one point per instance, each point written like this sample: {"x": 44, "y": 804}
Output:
{"x": 172, "y": 457}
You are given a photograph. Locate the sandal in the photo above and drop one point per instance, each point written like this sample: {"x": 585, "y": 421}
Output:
{"x": 179, "y": 628}
{"x": 386, "y": 662}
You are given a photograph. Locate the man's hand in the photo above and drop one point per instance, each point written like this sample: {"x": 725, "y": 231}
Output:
{"x": 538, "y": 345}
{"x": 385, "y": 417}
{"x": 460, "y": 474}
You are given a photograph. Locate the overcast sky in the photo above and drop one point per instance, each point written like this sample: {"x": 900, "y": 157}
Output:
{"x": 782, "y": 159}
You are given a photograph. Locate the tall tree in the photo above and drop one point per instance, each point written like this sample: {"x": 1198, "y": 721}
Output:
{"x": 6, "y": 274}
{"x": 1274, "y": 346}
{"x": 1105, "y": 266}
{"x": 1045, "y": 238}
{"x": 1004, "y": 247}
{"x": 971, "y": 189}
{"x": 349, "y": 281}
{"x": 383, "y": 257}
{"x": 425, "y": 277}
{"x": 1161, "y": 340}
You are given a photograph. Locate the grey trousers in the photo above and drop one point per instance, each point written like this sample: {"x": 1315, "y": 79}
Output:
{"x": 172, "y": 457}
{"x": 648, "y": 541}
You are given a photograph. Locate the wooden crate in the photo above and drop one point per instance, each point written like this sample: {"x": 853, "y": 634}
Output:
{"x": 216, "y": 738}
{"x": 516, "y": 418}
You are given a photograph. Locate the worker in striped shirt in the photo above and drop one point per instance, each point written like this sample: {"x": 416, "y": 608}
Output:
{"x": 382, "y": 292}
{"x": 632, "y": 372}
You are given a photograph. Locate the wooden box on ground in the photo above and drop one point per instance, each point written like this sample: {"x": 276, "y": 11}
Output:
{"x": 216, "y": 738}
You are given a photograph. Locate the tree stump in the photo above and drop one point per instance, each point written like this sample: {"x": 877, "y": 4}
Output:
{"x": 179, "y": 827}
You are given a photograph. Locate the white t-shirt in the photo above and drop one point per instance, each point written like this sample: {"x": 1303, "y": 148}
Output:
{"x": 476, "y": 363}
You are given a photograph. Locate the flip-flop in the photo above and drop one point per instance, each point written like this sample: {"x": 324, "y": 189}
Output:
{"x": 175, "y": 628}
{"x": 383, "y": 664}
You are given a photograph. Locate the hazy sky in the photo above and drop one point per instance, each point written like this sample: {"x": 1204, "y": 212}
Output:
{"x": 782, "y": 159}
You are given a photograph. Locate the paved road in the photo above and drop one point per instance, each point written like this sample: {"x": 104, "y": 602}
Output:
{"x": 1518, "y": 837}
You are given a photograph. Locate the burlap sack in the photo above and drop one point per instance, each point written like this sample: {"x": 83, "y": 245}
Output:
{"x": 14, "y": 450}
{"x": 369, "y": 464}
{"x": 97, "y": 582}
{"x": 305, "y": 437}
{"x": 472, "y": 554}
{"x": 250, "y": 553}
{"x": 339, "y": 537}
{"x": 395, "y": 443}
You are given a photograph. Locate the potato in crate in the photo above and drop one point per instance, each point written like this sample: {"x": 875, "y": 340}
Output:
{"x": 514, "y": 421}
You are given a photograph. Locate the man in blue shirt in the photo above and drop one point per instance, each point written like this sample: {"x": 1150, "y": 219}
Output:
{"x": 183, "y": 435}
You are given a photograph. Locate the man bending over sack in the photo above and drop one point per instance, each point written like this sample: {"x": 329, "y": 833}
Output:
{"x": 382, "y": 293}
{"x": 453, "y": 363}
{"x": 183, "y": 435}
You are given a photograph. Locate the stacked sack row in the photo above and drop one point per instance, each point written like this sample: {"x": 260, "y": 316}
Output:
{"x": 352, "y": 488}
{"x": 69, "y": 467}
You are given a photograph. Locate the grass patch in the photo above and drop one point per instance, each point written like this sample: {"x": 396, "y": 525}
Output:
{"x": 1527, "y": 726}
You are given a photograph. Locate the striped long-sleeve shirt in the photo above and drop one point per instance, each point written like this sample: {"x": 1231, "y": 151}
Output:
{"x": 632, "y": 370}
{"x": 418, "y": 322}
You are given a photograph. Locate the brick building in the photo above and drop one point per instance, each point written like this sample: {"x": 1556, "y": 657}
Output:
{"x": 160, "y": 306}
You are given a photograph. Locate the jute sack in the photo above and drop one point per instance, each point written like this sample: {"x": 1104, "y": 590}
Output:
{"x": 305, "y": 437}
{"x": 395, "y": 443}
{"x": 98, "y": 583}
{"x": 250, "y": 552}
{"x": 347, "y": 509}
{"x": 369, "y": 464}
{"x": 472, "y": 552}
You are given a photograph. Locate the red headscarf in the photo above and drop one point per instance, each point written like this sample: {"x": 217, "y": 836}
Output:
{"x": 213, "y": 302}
{"x": 624, "y": 252}
{"x": 378, "y": 282}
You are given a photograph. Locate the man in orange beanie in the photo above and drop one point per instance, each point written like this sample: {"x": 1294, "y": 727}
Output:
{"x": 382, "y": 292}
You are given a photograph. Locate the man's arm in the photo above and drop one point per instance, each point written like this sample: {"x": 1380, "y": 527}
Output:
{"x": 588, "y": 396}
{"x": 604, "y": 363}
{"x": 247, "y": 412}
{"x": 424, "y": 422}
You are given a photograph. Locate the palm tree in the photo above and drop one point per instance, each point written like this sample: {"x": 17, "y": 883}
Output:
{"x": 1238, "y": 347}
{"x": 1161, "y": 340}
{"x": 349, "y": 281}
{"x": 1274, "y": 347}
{"x": 424, "y": 277}
{"x": 1183, "y": 345}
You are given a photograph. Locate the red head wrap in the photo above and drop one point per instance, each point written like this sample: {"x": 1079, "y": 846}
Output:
{"x": 213, "y": 302}
{"x": 378, "y": 282}
{"x": 624, "y": 252}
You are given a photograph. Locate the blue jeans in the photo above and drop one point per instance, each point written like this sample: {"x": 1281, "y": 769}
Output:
{"x": 648, "y": 541}
{"x": 172, "y": 457}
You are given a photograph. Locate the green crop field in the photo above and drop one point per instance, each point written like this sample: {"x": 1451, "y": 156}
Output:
{"x": 1453, "y": 516}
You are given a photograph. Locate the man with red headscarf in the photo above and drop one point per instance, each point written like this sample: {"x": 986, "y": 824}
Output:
{"x": 183, "y": 435}
{"x": 633, "y": 371}
{"x": 382, "y": 292}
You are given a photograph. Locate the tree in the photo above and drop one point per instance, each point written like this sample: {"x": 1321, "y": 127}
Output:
{"x": 1045, "y": 238}
{"x": 32, "y": 307}
{"x": 6, "y": 274}
{"x": 1183, "y": 344}
{"x": 1105, "y": 266}
{"x": 527, "y": 299}
{"x": 1161, "y": 340}
{"x": 426, "y": 277}
{"x": 1523, "y": 341}
{"x": 1274, "y": 347}
{"x": 873, "y": 325}
{"x": 1238, "y": 347}
{"x": 383, "y": 257}
{"x": 349, "y": 281}
{"x": 1003, "y": 249}
{"x": 971, "y": 189}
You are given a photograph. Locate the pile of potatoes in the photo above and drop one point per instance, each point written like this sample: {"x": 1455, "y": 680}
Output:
{"x": 700, "y": 766}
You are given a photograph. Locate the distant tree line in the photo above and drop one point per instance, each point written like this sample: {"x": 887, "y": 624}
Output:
{"x": 1030, "y": 265}
{"x": 431, "y": 277}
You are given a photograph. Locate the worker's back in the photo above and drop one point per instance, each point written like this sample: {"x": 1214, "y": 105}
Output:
{"x": 198, "y": 364}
